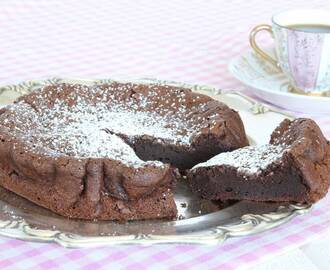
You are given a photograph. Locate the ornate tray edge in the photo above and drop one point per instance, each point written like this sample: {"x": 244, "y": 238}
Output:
{"x": 248, "y": 224}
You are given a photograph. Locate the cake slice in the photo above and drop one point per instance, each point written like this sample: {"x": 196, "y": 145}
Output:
{"x": 293, "y": 167}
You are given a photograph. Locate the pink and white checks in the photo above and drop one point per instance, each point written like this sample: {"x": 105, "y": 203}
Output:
{"x": 188, "y": 41}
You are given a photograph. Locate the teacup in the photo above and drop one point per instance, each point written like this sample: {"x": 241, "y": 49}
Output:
{"x": 302, "y": 45}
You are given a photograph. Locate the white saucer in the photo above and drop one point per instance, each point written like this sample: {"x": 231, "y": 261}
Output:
{"x": 271, "y": 85}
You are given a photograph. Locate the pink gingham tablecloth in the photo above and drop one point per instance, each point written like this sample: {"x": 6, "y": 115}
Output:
{"x": 188, "y": 41}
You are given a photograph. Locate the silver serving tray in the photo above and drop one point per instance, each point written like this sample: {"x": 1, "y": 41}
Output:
{"x": 199, "y": 221}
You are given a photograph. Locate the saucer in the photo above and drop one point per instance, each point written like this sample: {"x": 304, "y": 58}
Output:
{"x": 271, "y": 85}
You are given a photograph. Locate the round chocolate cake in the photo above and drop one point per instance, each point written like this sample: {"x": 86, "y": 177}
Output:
{"x": 110, "y": 151}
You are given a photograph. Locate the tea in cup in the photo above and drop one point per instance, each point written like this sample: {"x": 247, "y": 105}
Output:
{"x": 302, "y": 46}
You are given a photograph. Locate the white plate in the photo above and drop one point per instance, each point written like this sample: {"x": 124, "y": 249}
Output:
{"x": 271, "y": 85}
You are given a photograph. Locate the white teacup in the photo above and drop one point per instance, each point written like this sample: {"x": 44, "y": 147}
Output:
{"x": 302, "y": 44}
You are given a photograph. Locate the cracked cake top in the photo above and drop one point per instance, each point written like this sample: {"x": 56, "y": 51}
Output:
{"x": 96, "y": 121}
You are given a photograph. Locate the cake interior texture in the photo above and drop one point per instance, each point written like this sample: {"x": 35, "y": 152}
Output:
{"x": 293, "y": 167}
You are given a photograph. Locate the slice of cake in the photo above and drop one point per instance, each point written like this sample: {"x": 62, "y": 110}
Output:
{"x": 293, "y": 167}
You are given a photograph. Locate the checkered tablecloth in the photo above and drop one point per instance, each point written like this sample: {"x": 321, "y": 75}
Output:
{"x": 188, "y": 41}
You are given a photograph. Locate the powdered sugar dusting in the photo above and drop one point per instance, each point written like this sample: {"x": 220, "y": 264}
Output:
{"x": 90, "y": 121}
{"x": 117, "y": 120}
{"x": 250, "y": 159}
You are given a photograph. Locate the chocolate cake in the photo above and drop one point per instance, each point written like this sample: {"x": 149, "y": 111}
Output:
{"x": 110, "y": 151}
{"x": 293, "y": 167}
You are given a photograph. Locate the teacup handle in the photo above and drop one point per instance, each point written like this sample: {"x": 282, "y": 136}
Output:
{"x": 256, "y": 48}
